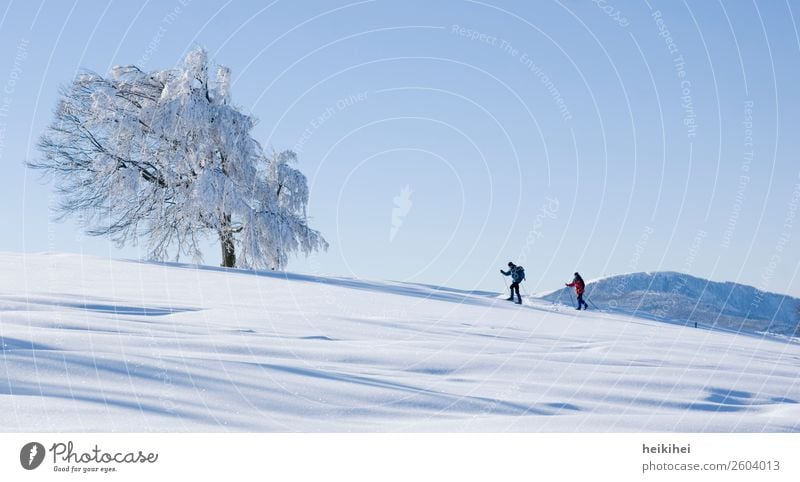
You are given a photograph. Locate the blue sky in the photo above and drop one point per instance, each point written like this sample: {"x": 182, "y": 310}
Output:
{"x": 598, "y": 136}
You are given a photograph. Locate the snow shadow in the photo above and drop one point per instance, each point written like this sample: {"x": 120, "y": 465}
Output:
{"x": 454, "y": 290}
{"x": 729, "y": 397}
{"x": 136, "y": 403}
{"x": 108, "y": 379}
{"x": 742, "y": 398}
{"x": 99, "y": 305}
{"x": 718, "y": 400}
{"x": 8, "y": 344}
{"x": 425, "y": 398}
{"x": 416, "y": 290}
{"x": 409, "y": 290}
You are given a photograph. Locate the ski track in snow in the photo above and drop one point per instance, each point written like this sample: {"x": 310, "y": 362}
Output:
{"x": 90, "y": 344}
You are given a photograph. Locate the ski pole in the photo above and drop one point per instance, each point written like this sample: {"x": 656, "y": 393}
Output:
{"x": 560, "y": 296}
{"x": 592, "y": 302}
{"x": 525, "y": 290}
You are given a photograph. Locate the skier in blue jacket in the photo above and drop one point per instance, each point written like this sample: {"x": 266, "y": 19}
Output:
{"x": 517, "y": 274}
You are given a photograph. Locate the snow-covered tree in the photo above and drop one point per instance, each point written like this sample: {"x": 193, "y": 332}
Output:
{"x": 164, "y": 156}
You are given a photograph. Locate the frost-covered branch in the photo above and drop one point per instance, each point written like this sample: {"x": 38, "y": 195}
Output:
{"x": 164, "y": 156}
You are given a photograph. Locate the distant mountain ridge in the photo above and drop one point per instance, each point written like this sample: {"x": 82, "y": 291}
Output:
{"x": 673, "y": 296}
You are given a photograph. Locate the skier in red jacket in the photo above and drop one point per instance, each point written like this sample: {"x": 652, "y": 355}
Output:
{"x": 579, "y": 285}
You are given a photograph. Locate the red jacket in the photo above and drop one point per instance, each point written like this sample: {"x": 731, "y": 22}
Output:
{"x": 579, "y": 286}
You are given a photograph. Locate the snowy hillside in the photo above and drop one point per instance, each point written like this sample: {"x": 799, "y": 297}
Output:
{"x": 686, "y": 299}
{"x": 90, "y": 344}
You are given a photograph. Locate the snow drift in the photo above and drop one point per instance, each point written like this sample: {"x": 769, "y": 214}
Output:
{"x": 89, "y": 344}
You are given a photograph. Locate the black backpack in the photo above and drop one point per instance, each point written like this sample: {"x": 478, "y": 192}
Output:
{"x": 518, "y": 274}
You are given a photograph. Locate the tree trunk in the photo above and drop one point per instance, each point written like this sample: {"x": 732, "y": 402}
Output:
{"x": 226, "y": 242}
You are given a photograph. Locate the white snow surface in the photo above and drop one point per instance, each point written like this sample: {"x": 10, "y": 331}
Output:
{"x": 91, "y": 344}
